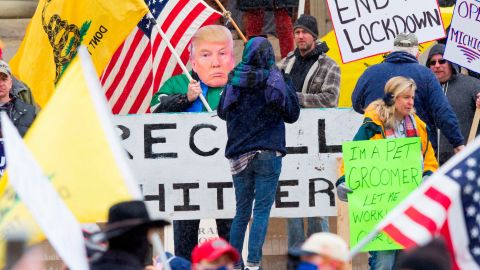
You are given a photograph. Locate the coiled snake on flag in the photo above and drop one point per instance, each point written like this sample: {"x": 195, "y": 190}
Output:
{"x": 58, "y": 32}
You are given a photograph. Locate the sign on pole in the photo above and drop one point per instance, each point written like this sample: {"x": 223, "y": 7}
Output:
{"x": 463, "y": 43}
{"x": 381, "y": 174}
{"x": 368, "y": 27}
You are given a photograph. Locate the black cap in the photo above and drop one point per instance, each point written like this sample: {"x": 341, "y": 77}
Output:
{"x": 308, "y": 23}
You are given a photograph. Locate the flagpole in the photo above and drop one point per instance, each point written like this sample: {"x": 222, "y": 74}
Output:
{"x": 228, "y": 15}
{"x": 474, "y": 128}
{"x": 157, "y": 245}
{"x": 301, "y": 8}
{"x": 355, "y": 250}
{"x": 175, "y": 54}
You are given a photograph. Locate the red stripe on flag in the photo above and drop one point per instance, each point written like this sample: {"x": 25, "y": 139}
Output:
{"x": 178, "y": 69}
{"x": 142, "y": 94}
{"x": 445, "y": 232}
{"x": 421, "y": 219}
{"x": 174, "y": 41}
{"x": 132, "y": 80}
{"x": 112, "y": 63}
{"x": 119, "y": 76}
{"x": 398, "y": 236}
{"x": 439, "y": 197}
{"x": 171, "y": 17}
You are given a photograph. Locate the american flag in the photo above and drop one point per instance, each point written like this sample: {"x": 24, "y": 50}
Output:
{"x": 143, "y": 62}
{"x": 447, "y": 204}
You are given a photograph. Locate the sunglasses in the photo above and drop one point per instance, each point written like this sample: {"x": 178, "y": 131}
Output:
{"x": 440, "y": 62}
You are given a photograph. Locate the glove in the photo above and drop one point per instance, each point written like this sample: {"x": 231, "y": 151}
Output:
{"x": 342, "y": 191}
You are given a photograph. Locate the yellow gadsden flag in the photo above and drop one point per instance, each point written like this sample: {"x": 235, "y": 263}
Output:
{"x": 60, "y": 26}
{"x": 75, "y": 143}
{"x": 350, "y": 72}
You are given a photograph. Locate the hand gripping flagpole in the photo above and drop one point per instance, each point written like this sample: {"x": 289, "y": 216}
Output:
{"x": 228, "y": 15}
{"x": 175, "y": 54}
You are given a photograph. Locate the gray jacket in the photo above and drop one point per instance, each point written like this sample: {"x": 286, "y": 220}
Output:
{"x": 461, "y": 92}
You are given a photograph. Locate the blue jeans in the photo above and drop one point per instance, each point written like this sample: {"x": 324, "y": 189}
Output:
{"x": 296, "y": 232}
{"x": 382, "y": 260}
{"x": 257, "y": 182}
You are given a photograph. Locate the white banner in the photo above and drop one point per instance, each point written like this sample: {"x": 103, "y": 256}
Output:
{"x": 463, "y": 44}
{"x": 180, "y": 163}
{"x": 368, "y": 27}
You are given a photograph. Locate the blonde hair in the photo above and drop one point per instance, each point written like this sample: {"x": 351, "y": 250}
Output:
{"x": 211, "y": 33}
{"x": 395, "y": 86}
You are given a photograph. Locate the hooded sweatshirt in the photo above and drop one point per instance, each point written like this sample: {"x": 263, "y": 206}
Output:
{"x": 461, "y": 92}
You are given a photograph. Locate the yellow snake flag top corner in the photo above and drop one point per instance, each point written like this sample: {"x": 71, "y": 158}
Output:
{"x": 59, "y": 27}
{"x": 74, "y": 142}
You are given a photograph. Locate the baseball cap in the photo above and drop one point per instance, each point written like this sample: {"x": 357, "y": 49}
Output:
{"x": 405, "y": 40}
{"x": 326, "y": 244}
{"x": 5, "y": 68}
{"x": 214, "y": 249}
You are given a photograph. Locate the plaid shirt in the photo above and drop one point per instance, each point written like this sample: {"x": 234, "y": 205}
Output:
{"x": 321, "y": 87}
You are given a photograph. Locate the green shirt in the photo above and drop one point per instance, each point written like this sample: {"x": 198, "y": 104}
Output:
{"x": 179, "y": 85}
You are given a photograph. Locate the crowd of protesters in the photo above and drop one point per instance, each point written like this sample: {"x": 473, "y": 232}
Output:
{"x": 399, "y": 98}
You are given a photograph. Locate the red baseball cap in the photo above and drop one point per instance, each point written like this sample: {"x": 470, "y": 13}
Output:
{"x": 214, "y": 249}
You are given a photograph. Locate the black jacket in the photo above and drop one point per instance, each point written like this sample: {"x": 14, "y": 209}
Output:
{"x": 21, "y": 114}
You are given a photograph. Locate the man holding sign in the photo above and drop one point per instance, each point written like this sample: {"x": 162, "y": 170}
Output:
{"x": 387, "y": 118}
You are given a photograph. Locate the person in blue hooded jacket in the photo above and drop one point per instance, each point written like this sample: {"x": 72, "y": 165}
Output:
{"x": 431, "y": 104}
{"x": 256, "y": 103}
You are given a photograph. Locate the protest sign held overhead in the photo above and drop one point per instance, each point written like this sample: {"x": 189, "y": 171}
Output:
{"x": 351, "y": 71}
{"x": 368, "y": 27}
{"x": 381, "y": 174}
{"x": 59, "y": 27}
{"x": 463, "y": 42}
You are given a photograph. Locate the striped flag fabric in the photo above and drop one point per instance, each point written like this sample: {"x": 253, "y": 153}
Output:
{"x": 143, "y": 62}
{"x": 447, "y": 205}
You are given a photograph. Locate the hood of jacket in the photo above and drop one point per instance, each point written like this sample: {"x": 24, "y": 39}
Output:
{"x": 440, "y": 49}
{"x": 400, "y": 57}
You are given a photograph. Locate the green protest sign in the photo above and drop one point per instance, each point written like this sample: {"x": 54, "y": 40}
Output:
{"x": 381, "y": 174}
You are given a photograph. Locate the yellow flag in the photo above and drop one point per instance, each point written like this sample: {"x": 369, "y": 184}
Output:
{"x": 56, "y": 30}
{"x": 75, "y": 143}
{"x": 350, "y": 72}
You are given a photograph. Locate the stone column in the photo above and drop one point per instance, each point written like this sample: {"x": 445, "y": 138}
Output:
{"x": 17, "y": 9}
{"x": 319, "y": 9}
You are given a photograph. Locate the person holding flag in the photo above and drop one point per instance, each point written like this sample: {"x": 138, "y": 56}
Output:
{"x": 393, "y": 116}
{"x": 212, "y": 58}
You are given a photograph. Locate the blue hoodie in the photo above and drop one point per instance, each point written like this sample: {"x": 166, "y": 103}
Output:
{"x": 431, "y": 104}
{"x": 256, "y": 102}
